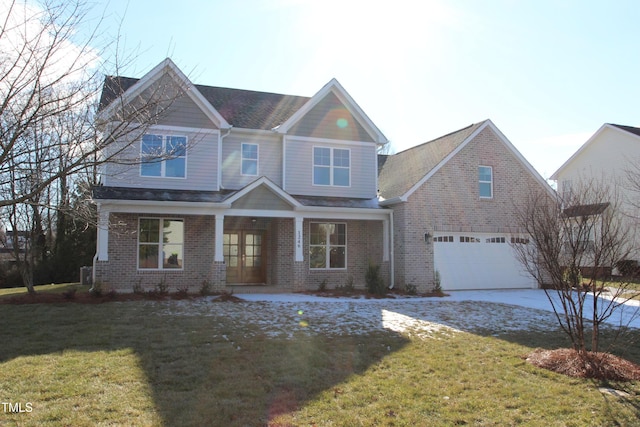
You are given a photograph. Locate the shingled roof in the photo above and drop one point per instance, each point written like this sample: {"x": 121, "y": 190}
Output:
{"x": 399, "y": 172}
{"x": 240, "y": 108}
{"x": 630, "y": 129}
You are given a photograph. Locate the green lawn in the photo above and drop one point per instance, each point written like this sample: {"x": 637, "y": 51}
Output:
{"x": 134, "y": 363}
{"x": 58, "y": 288}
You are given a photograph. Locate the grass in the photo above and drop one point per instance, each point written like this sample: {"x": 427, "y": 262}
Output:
{"x": 56, "y": 289}
{"x": 132, "y": 363}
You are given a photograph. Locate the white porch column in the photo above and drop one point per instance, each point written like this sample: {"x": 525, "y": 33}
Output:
{"x": 103, "y": 235}
{"x": 385, "y": 240}
{"x": 218, "y": 255}
{"x": 297, "y": 233}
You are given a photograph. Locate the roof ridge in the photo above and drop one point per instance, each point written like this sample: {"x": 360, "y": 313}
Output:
{"x": 439, "y": 138}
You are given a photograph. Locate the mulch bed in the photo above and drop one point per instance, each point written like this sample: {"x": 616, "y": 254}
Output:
{"x": 600, "y": 366}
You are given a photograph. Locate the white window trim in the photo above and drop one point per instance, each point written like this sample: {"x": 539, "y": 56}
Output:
{"x": 328, "y": 246}
{"x": 257, "y": 159}
{"x": 485, "y": 182}
{"x": 159, "y": 267}
{"x": 330, "y": 166}
{"x": 162, "y": 162}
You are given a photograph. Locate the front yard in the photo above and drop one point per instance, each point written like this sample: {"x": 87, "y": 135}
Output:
{"x": 383, "y": 362}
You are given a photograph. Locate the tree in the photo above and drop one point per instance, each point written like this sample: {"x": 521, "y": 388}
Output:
{"x": 51, "y": 76}
{"x": 575, "y": 242}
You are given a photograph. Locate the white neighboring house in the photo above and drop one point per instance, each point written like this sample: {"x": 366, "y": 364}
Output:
{"x": 609, "y": 156}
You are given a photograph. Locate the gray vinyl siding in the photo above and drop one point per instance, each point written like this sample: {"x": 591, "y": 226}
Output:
{"x": 323, "y": 122}
{"x": 261, "y": 199}
{"x": 299, "y": 170}
{"x": 269, "y": 159}
{"x": 201, "y": 165}
{"x": 184, "y": 112}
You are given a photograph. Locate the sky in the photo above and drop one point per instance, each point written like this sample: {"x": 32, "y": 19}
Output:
{"x": 548, "y": 73}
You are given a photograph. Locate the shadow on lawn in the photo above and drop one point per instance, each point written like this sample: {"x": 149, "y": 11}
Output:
{"x": 201, "y": 370}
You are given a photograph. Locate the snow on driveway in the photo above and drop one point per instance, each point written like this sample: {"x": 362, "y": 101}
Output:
{"x": 284, "y": 315}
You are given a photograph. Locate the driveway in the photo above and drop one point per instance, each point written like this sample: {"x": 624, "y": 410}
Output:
{"x": 486, "y": 312}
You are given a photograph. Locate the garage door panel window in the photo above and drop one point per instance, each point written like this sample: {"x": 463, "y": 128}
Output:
{"x": 468, "y": 239}
{"x": 445, "y": 239}
{"x": 496, "y": 240}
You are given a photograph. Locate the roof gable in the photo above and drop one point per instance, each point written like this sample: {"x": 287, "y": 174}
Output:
{"x": 264, "y": 186}
{"x": 335, "y": 95}
{"x": 634, "y": 132}
{"x": 128, "y": 89}
{"x": 403, "y": 173}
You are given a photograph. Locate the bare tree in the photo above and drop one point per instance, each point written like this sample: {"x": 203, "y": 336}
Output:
{"x": 51, "y": 78}
{"x": 575, "y": 243}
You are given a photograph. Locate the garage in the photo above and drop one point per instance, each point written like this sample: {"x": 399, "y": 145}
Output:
{"x": 479, "y": 261}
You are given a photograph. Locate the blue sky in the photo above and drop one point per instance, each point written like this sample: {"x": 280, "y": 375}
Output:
{"x": 547, "y": 73}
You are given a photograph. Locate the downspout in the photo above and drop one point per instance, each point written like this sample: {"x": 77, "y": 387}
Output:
{"x": 391, "y": 252}
{"x": 95, "y": 257}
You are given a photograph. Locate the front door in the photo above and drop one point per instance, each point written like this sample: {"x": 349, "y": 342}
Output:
{"x": 244, "y": 256}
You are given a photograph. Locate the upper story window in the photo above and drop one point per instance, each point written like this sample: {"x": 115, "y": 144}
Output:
{"x": 485, "y": 182}
{"x": 249, "y": 159}
{"x": 331, "y": 166}
{"x": 163, "y": 156}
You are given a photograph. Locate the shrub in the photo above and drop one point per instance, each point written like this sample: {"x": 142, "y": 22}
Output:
{"x": 137, "y": 287}
{"x": 322, "y": 286}
{"x": 205, "y": 288}
{"x": 411, "y": 289}
{"x": 162, "y": 288}
{"x": 70, "y": 293}
{"x": 375, "y": 283}
{"x": 182, "y": 292}
{"x": 437, "y": 283}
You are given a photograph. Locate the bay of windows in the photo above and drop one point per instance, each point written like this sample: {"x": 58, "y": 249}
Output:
{"x": 163, "y": 156}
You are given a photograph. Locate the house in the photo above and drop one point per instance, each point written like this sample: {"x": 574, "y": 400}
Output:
{"x": 454, "y": 201}
{"x": 233, "y": 187}
{"x": 609, "y": 160}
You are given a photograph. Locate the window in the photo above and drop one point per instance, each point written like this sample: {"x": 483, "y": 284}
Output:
{"x": 496, "y": 240}
{"x": 520, "y": 240}
{"x": 163, "y": 156}
{"x": 448, "y": 239}
{"x": 467, "y": 239}
{"x": 249, "y": 160}
{"x": 328, "y": 246}
{"x": 485, "y": 179}
{"x": 331, "y": 166}
{"x": 160, "y": 243}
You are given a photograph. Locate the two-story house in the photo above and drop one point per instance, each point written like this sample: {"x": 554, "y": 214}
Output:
{"x": 239, "y": 187}
{"x": 607, "y": 162}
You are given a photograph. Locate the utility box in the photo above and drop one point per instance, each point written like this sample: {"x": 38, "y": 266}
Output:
{"x": 86, "y": 275}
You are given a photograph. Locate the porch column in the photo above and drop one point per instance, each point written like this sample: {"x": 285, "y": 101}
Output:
{"x": 103, "y": 235}
{"x": 297, "y": 233}
{"x": 218, "y": 253}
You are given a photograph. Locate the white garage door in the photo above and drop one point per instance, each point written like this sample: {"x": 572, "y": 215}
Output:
{"x": 478, "y": 261}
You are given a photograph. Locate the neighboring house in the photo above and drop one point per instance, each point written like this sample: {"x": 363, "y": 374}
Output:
{"x": 607, "y": 159}
{"x": 8, "y": 241}
{"x": 454, "y": 201}
{"x": 240, "y": 187}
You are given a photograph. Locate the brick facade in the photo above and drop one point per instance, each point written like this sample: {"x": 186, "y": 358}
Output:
{"x": 449, "y": 201}
{"x": 121, "y": 273}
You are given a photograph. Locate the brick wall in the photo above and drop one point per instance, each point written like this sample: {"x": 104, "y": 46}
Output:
{"x": 121, "y": 273}
{"x": 364, "y": 245}
{"x": 449, "y": 201}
